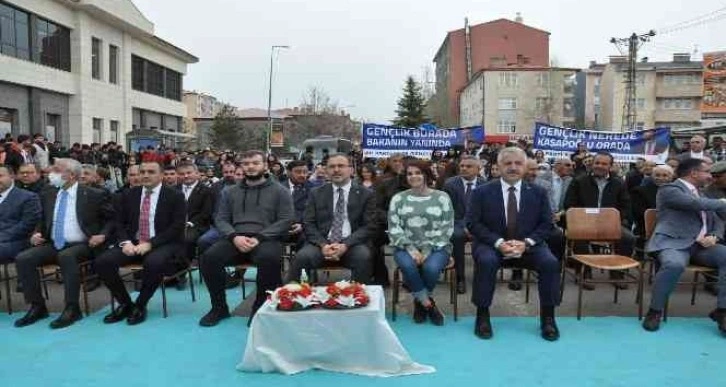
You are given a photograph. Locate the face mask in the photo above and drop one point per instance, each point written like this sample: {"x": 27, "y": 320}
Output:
{"x": 56, "y": 179}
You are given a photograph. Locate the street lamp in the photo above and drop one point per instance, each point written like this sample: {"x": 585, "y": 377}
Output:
{"x": 269, "y": 98}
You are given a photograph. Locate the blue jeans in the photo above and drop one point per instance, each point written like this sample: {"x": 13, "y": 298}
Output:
{"x": 208, "y": 239}
{"x": 421, "y": 280}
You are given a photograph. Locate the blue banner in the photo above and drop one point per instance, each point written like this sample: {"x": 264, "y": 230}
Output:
{"x": 556, "y": 142}
{"x": 384, "y": 140}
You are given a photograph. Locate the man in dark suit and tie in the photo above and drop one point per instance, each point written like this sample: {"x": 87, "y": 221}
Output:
{"x": 337, "y": 219}
{"x": 299, "y": 186}
{"x": 76, "y": 225}
{"x": 199, "y": 206}
{"x": 459, "y": 189}
{"x": 253, "y": 218}
{"x": 511, "y": 219}
{"x": 150, "y": 229}
{"x": 19, "y": 214}
{"x": 687, "y": 230}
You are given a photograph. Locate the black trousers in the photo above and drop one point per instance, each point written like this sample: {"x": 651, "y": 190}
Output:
{"x": 28, "y": 261}
{"x": 310, "y": 257}
{"x": 157, "y": 263}
{"x": 266, "y": 256}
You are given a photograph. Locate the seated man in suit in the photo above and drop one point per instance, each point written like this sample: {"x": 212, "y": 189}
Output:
{"x": 299, "y": 186}
{"x": 686, "y": 231}
{"x": 199, "y": 206}
{"x": 149, "y": 227}
{"x": 253, "y": 218}
{"x": 337, "y": 217}
{"x": 28, "y": 178}
{"x": 76, "y": 225}
{"x": 511, "y": 219}
{"x": 459, "y": 189}
{"x": 19, "y": 214}
{"x": 644, "y": 196}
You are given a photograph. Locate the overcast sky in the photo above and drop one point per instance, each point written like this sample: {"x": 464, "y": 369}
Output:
{"x": 360, "y": 51}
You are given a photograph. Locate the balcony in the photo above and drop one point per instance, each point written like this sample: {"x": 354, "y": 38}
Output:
{"x": 676, "y": 115}
{"x": 663, "y": 90}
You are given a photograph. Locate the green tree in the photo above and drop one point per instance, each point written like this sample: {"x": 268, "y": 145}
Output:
{"x": 411, "y": 105}
{"x": 225, "y": 132}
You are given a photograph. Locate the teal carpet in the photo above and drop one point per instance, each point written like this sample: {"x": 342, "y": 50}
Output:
{"x": 177, "y": 352}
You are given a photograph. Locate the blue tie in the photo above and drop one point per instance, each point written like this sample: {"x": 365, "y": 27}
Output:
{"x": 59, "y": 239}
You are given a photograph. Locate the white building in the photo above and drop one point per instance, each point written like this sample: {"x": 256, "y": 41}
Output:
{"x": 88, "y": 71}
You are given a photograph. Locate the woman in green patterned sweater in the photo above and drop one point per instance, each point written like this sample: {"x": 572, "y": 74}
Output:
{"x": 420, "y": 224}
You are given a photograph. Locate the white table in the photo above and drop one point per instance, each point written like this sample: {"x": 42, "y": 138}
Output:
{"x": 357, "y": 341}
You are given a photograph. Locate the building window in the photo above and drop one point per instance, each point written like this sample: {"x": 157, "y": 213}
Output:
{"x": 682, "y": 79}
{"x": 50, "y": 46}
{"x": 97, "y": 128}
{"x": 113, "y": 64}
{"x": 640, "y": 78}
{"x": 543, "y": 79}
{"x": 507, "y": 122}
{"x": 508, "y": 79}
{"x": 52, "y": 125}
{"x": 568, "y": 107}
{"x": 640, "y": 103}
{"x": 639, "y": 125}
{"x": 114, "y": 131}
{"x": 173, "y": 85}
{"x": 152, "y": 78}
{"x": 138, "y": 73}
{"x": 14, "y": 32}
{"x": 542, "y": 104}
{"x": 507, "y": 103}
{"x": 7, "y": 117}
{"x": 95, "y": 58}
{"x": 677, "y": 103}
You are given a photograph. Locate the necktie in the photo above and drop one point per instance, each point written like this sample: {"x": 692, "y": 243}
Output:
{"x": 187, "y": 191}
{"x": 704, "y": 229}
{"x": 59, "y": 238}
{"x": 297, "y": 192}
{"x": 467, "y": 193}
{"x": 144, "y": 217}
{"x": 511, "y": 214}
{"x": 336, "y": 229}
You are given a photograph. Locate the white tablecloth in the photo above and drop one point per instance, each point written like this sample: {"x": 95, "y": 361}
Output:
{"x": 357, "y": 341}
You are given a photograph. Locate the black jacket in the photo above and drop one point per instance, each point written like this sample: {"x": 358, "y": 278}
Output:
{"x": 169, "y": 218}
{"x": 583, "y": 192}
{"x": 320, "y": 211}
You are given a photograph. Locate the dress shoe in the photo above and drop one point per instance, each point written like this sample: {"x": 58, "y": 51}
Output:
{"x": 214, "y": 316}
{"x": 137, "y": 315}
{"x": 515, "y": 283}
{"x": 461, "y": 287}
{"x": 549, "y": 329}
{"x": 720, "y": 318}
{"x": 121, "y": 313}
{"x": 35, "y": 313}
{"x": 651, "y": 323}
{"x": 70, "y": 315}
{"x": 434, "y": 313}
{"x": 483, "y": 326}
{"x": 419, "y": 312}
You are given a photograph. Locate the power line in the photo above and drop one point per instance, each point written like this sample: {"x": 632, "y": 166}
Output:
{"x": 666, "y": 29}
{"x": 710, "y": 18}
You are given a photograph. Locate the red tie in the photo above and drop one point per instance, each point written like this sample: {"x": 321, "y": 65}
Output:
{"x": 144, "y": 217}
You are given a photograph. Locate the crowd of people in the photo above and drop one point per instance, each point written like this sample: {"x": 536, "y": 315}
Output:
{"x": 164, "y": 209}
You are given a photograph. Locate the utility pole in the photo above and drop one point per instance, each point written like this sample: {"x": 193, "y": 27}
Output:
{"x": 633, "y": 43}
{"x": 467, "y": 33}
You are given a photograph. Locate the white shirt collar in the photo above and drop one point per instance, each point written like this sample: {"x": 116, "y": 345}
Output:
{"x": 7, "y": 191}
{"x": 154, "y": 191}
{"x": 688, "y": 185}
{"x": 517, "y": 186}
{"x": 346, "y": 187}
{"x": 191, "y": 187}
{"x": 697, "y": 155}
{"x": 72, "y": 190}
{"x": 472, "y": 181}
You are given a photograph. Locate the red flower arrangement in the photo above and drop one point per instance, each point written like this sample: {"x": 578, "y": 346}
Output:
{"x": 293, "y": 297}
{"x": 343, "y": 295}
